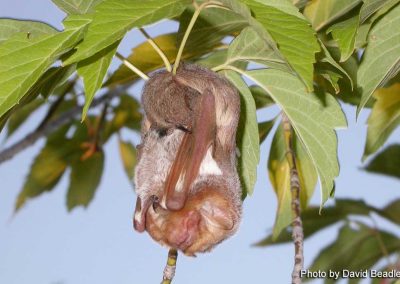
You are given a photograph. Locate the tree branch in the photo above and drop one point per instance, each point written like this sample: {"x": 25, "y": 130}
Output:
{"x": 51, "y": 126}
{"x": 169, "y": 270}
{"x": 297, "y": 225}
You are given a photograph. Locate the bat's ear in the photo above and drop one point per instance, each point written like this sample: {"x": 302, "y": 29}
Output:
{"x": 191, "y": 152}
{"x": 139, "y": 219}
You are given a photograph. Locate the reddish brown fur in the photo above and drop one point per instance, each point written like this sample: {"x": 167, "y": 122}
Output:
{"x": 200, "y": 111}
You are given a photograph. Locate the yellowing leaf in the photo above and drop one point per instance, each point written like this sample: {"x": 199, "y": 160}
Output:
{"x": 323, "y": 12}
{"x": 279, "y": 174}
{"x": 128, "y": 157}
{"x": 147, "y": 59}
{"x": 384, "y": 118}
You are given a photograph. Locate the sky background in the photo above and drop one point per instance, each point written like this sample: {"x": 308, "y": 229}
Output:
{"x": 45, "y": 244}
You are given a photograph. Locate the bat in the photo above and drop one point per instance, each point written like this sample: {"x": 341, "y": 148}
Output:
{"x": 189, "y": 195}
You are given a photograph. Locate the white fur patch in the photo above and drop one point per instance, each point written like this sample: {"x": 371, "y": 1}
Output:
{"x": 209, "y": 166}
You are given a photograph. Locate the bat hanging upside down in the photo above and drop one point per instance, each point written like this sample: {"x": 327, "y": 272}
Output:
{"x": 189, "y": 195}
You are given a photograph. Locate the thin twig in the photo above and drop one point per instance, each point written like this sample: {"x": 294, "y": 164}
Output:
{"x": 170, "y": 267}
{"x": 51, "y": 126}
{"x": 157, "y": 49}
{"x": 297, "y": 225}
{"x": 131, "y": 66}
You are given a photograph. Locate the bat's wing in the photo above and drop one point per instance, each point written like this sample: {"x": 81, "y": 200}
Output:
{"x": 191, "y": 153}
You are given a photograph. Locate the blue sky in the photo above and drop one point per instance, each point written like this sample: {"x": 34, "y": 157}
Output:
{"x": 46, "y": 244}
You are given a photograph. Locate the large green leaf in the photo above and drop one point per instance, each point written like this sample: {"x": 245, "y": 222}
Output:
{"x": 279, "y": 174}
{"x": 248, "y": 46}
{"x": 147, "y": 59}
{"x": 323, "y": 12}
{"x": 345, "y": 34}
{"x": 384, "y": 118}
{"x": 76, "y": 6}
{"x": 93, "y": 70}
{"x": 288, "y": 31}
{"x": 31, "y": 29}
{"x": 386, "y": 162}
{"x": 313, "y": 119}
{"x": 314, "y": 220}
{"x": 356, "y": 248}
{"x": 84, "y": 180}
{"x": 114, "y": 18}
{"x": 381, "y": 59}
{"x": 128, "y": 157}
{"x": 212, "y": 25}
{"x": 23, "y": 60}
{"x": 247, "y": 136}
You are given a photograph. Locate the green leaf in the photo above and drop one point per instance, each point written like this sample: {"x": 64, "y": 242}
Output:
{"x": 280, "y": 26}
{"x": 288, "y": 31}
{"x": 248, "y": 46}
{"x": 326, "y": 57}
{"x": 53, "y": 78}
{"x": 381, "y": 59}
{"x": 212, "y": 25}
{"x": 46, "y": 170}
{"x": 264, "y": 128}
{"x": 392, "y": 211}
{"x": 31, "y": 29}
{"x": 279, "y": 174}
{"x": 313, "y": 119}
{"x": 314, "y": 221}
{"x": 76, "y": 6}
{"x": 384, "y": 118}
{"x": 147, "y": 59}
{"x": 261, "y": 97}
{"x": 24, "y": 60}
{"x": 372, "y": 6}
{"x": 323, "y": 12}
{"x": 114, "y": 18}
{"x": 84, "y": 180}
{"x": 345, "y": 35}
{"x": 386, "y": 162}
{"x": 128, "y": 157}
{"x": 93, "y": 70}
{"x": 356, "y": 249}
{"x": 247, "y": 136}
{"x": 382, "y": 8}
{"x": 21, "y": 115}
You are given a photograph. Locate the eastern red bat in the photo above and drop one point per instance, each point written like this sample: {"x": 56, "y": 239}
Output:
{"x": 189, "y": 195}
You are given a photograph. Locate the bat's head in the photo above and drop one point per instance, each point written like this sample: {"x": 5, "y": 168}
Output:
{"x": 207, "y": 218}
